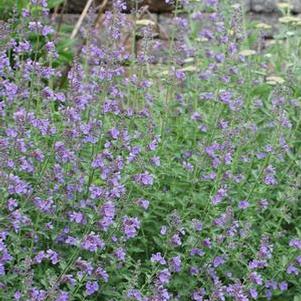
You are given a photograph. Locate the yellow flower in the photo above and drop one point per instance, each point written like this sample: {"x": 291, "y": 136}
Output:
{"x": 263, "y": 26}
{"x": 275, "y": 80}
{"x": 145, "y": 22}
{"x": 189, "y": 69}
{"x": 289, "y": 19}
{"x": 247, "y": 52}
{"x": 284, "y": 5}
{"x": 189, "y": 60}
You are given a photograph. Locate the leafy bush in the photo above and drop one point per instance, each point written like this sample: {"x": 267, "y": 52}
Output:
{"x": 148, "y": 182}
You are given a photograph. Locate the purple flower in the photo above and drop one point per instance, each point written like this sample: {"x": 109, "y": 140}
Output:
{"x": 197, "y": 252}
{"x": 92, "y": 242}
{"x": 163, "y": 230}
{"x": 291, "y": 269}
{"x": 135, "y": 294}
{"x": 295, "y": 243}
{"x": 257, "y": 264}
{"x": 283, "y": 286}
{"x": 120, "y": 254}
{"x": 84, "y": 266}
{"x": 176, "y": 240}
{"x": 100, "y": 272}
{"x": 253, "y": 293}
{"x": 91, "y": 287}
{"x": 194, "y": 271}
{"x": 143, "y": 203}
{"x": 198, "y": 295}
{"x": 52, "y": 256}
{"x": 256, "y": 278}
{"x": 17, "y": 295}
{"x": 164, "y": 276}
{"x": 219, "y": 196}
{"x": 243, "y": 204}
{"x": 158, "y": 258}
{"x": 63, "y": 296}
{"x": 153, "y": 145}
{"x": 108, "y": 210}
{"x": 155, "y": 161}
{"x": 114, "y": 133}
{"x": 12, "y": 204}
{"x": 77, "y": 217}
{"x": 269, "y": 176}
{"x": 47, "y": 30}
{"x": 218, "y": 260}
{"x": 207, "y": 243}
{"x": 237, "y": 292}
{"x": 144, "y": 179}
{"x": 130, "y": 226}
{"x": 176, "y": 264}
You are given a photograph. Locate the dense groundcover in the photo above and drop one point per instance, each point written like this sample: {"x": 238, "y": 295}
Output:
{"x": 122, "y": 180}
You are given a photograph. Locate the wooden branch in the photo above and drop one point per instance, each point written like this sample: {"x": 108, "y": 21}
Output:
{"x": 101, "y": 8}
{"x": 81, "y": 19}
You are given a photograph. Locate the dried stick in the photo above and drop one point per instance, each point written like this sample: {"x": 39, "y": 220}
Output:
{"x": 143, "y": 11}
{"x": 161, "y": 29}
{"x": 81, "y": 19}
{"x": 101, "y": 8}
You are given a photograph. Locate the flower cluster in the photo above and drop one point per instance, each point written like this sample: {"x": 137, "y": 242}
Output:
{"x": 119, "y": 183}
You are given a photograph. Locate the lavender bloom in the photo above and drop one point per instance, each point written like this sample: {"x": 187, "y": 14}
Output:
{"x": 163, "y": 230}
{"x": 218, "y": 261}
{"x": 100, "y": 272}
{"x": 114, "y": 133}
{"x": 17, "y": 295}
{"x": 292, "y": 270}
{"x": 63, "y": 296}
{"x": 84, "y": 266}
{"x": 144, "y": 179}
{"x": 143, "y": 203}
{"x": 164, "y": 276}
{"x": 81, "y": 152}
{"x": 295, "y": 243}
{"x": 269, "y": 176}
{"x": 237, "y": 292}
{"x": 176, "y": 240}
{"x": 155, "y": 161}
{"x": 194, "y": 271}
{"x": 120, "y": 254}
{"x": 197, "y": 252}
{"x": 135, "y": 294}
{"x": 77, "y": 217}
{"x": 253, "y": 293}
{"x": 131, "y": 226}
{"x": 243, "y": 204}
{"x": 257, "y": 264}
{"x": 219, "y": 196}
{"x": 283, "y": 286}
{"x": 52, "y": 256}
{"x": 158, "y": 258}
{"x": 176, "y": 264}
{"x": 92, "y": 242}
{"x": 256, "y": 278}
{"x": 91, "y": 287}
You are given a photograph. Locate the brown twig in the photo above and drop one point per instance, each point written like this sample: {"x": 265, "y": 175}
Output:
{"x": 81, "y": 19}
{"x": 143, "y": 11}
{"x": 101, "y": 8}
{"x": 160, "y": 27}
{"x": 61, "y": 17}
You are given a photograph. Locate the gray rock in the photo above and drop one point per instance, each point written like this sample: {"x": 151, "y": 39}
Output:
{"x": 247, "y": 5}
{"x": 156, "y": 6}
{"x": 296, "y": 6}
{"x": 263, "y": 6}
